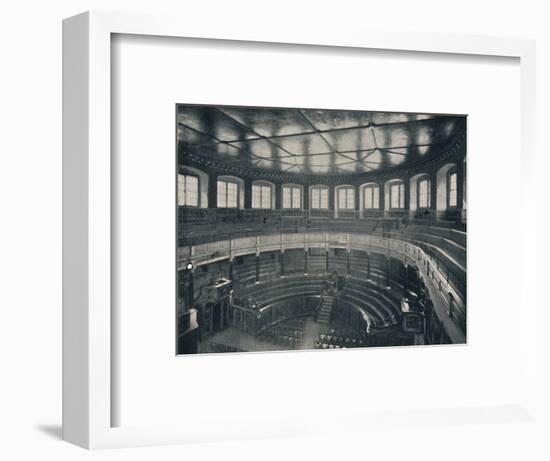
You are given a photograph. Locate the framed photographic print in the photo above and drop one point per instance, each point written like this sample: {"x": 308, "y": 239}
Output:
{"x": 267, "y": 230}
{"x": 319, "y": 229}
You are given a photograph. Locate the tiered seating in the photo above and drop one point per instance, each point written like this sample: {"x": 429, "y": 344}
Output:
{"x": 378, "y": 266}
{"x": 294, "y": 261}
{"x": 358, "y": 264}
{"x": 244, "y": 270}
{"x": 220, "y": 348}
{"x": 287, "y": 334}
{"x": 450, "y": 241}
{"x": 381, "y": 308}
{"x": 317, "y": 261}
{"x": 338, "y": 338}
{"x": 268, "y": 266}
{"x": 446, "y": 245}
{"x": 338, "y": 261}
{"x": 392, "y": 336}
{"x": 268, "y": 293}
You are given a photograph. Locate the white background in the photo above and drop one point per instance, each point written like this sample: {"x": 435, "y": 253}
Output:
{"x": 309, "y": 385}
{"x": 30, "y": 191}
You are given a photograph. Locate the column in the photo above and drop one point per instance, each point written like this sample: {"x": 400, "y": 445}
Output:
{"x": 247, "y": 194}
{"x": 212, "y": 190}
{"x": 278, "y": 196}
{"x": 357, "y": 190}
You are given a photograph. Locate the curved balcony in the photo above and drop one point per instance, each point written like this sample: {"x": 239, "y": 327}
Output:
{"x": 445, "y": 283}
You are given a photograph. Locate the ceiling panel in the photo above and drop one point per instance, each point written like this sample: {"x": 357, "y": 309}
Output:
{"x": 269, "y": 122}
{"x": 312, "y": 141}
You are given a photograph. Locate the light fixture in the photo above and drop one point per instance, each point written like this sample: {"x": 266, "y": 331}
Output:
{"x": 189, "y": 266}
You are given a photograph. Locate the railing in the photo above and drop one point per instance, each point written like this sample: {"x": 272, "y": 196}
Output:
{"x": 197, "y": 225}
{"x": 201, "y": 224}
{"x": 408, "y": 252}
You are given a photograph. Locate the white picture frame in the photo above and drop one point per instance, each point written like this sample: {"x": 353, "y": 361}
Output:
{"x": 87, "y": 364}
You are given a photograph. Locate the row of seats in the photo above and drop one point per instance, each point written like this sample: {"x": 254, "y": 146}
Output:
{"x": 382, "y": 309}
{"x": 337, "y": 342}
{"x": 451, "y": 242}
{"x": 220, "y": 348}
{"x": 288, "y": 334}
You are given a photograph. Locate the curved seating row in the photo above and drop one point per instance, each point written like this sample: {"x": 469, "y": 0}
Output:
{"x": 268, "y": 293}
{"x": 382, "y": 309}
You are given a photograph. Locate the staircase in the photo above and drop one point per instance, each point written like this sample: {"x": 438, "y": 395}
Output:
{"x": 326, "y": 308}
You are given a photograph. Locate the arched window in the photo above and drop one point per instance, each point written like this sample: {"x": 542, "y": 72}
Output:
{"x": 452, "y": 181}
{"x": 345, "y": 199}
{"x": 371, "y": 197}
{"x": 423, "y": 192}
{"x": 319, "y": 198}
{"x": 262, "y": 195}
{"x": 397, "y": 195}
{"x": 188, "y": 190}
{"x": 228, "y": 193}
{"x": 446, "y": 187}
{"x": 292, "y": 196}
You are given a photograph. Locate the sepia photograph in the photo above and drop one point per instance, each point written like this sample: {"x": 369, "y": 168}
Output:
{"x": 304, "y": 229}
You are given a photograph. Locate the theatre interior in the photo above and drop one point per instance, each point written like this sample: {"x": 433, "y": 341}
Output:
{"x": 304, "y": 229}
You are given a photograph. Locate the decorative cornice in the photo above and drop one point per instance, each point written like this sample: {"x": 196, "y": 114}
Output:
{"x": 457, "y": 150}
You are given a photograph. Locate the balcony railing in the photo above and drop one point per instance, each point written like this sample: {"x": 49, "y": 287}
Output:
{"x": 203, "y": 224}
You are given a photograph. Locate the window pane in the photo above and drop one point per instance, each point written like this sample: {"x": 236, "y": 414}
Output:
{"x": 402, "y": 196}
{"x": 232, "y": 195}
{"x": 296, "y": 197}
{"x": 394, "y": 195}
{"x": 287, "y": 197}
{"x": 192, "y": 191}
{"x": 266, "y": 196}
{"x": 368, "y": 197}
{"x": 324, "y": 198}
{"x": 375, "y": 203}
{"x": 256, "y": 199}
{"x": 452, "y": 190}
{"x": 350, "y": 202}
{"x": 423, "y": 194}
{"x": 222, "y": 196}
{"x": 341, "y": 199}
{"x": 314, "y": 198}
{"x": 452, "y": 198}
{"x": 181, "y": 189}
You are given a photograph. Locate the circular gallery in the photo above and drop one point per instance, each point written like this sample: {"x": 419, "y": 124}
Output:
{"x": 319, "y": 229}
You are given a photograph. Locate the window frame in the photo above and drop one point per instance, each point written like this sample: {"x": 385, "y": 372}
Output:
{"x": 292, "y": 187}
{"x": 261, "y": 184}
{"x": 227, "y": 181}
{"x": 372, "y": 187}
{"x": 452, "y": 171}
{"x": 346, "y": 189}
{"x": 401, "y": 195}
{"x": 421, "y": 179}
{"x": 320, "y": 188}
{"x": 188, "y": 174}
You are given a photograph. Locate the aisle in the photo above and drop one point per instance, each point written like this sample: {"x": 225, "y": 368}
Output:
{"x": 312, "y": 330}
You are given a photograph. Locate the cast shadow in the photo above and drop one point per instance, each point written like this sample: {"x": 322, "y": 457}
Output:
{"x": 52, "y": 430}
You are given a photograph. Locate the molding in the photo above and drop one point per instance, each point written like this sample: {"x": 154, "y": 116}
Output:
{"x": 457, "y": 149}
